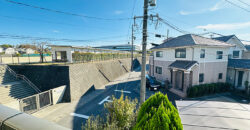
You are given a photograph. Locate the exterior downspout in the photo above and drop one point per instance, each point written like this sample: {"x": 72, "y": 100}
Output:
{"x": 192, "y": 53}
{"x": 153, "y": 63}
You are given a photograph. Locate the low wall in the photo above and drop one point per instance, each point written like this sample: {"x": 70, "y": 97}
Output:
{"x": 20, "y": 60}
{"x": 11, "y": 119}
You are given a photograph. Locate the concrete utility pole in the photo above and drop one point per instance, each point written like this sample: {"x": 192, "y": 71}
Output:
{"x": 144, "y": 53}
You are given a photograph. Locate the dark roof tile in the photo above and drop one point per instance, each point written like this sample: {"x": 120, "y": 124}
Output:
{"x": 239, "y": 63}
{"x": 182, "y": 64}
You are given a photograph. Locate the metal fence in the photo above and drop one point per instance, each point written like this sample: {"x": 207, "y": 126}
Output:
{"x": 36, "y": 102}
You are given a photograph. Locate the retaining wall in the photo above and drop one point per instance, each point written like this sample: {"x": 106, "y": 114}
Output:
{"x": 78, "y": 78}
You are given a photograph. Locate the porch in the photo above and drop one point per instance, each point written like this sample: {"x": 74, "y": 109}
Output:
{"x": 181, "y": 76}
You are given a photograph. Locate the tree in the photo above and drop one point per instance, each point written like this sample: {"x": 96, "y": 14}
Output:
{"x": 6, "y": 46}
{"x": 41, "y": 49}
{"x": 157, "y": 113}
{"x": 26, "y": 46}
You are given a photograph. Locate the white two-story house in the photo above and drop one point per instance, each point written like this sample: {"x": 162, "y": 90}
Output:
{"x": 189, "y": 60}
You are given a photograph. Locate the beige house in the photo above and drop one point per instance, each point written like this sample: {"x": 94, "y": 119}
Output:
{"x": 238, "y": 71}
{"x": 189, "y": 60}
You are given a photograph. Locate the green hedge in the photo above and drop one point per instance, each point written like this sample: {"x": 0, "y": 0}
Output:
{"x": 86, "y": 57}
{"x": 158, "y": 113}
{"x": 207, "y": 89}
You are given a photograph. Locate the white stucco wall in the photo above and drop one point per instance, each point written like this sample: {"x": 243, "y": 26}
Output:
{"x": 238, "y": 46}
{"x": 194, "y": 54}
{"x": 10, "y": 51}
{"x": 68, "y": 50}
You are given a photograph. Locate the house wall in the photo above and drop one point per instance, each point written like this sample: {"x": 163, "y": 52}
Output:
{"x": 210, "y": 66}
{"x": 238, "y": 46}
{"x": 246, "y": 55}
{"x": 232, "y": 79}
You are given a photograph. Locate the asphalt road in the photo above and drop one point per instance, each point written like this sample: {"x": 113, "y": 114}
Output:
{"x": 73, "y": 115}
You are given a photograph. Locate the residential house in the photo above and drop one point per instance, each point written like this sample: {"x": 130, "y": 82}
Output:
{"x": 235, "y": 52}
{"x": 10, "y": 51}
{"x": 189, "y": 60}
{"x": 1, "y": 50}
{"x": 29, "y": 51}
{"x": 120, "y": 47}
{"x": 246, "y": 53}
{"x": 238, "y": 71}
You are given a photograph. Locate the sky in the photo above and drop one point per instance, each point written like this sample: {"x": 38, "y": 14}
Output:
{"x": 194, "y": 16}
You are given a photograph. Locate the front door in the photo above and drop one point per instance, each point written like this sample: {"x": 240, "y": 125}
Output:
{"x": 240, "y": 78}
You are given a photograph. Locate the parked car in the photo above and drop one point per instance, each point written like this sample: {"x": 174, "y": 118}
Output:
{"x": 152, "y": 84}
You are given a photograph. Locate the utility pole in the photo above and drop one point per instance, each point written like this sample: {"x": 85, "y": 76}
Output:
{"x": 144, "y": 53}
{"x": 167, "y": 34}
{"x": 132, "y": 48}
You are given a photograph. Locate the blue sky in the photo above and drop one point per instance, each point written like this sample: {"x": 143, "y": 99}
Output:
{"x": 190, "y": 15}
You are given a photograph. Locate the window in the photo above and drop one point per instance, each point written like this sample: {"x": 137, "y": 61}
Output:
{"x": 220, "y": 76}
{"x": 201, "y": 77}
{"x": 202, "y": 55}
{"x": 180, "y": 53}
{"x": 158, "y": 70}
{"x": 236, "y": 54}
{"x": 159, "y": 54}
{"x": 219, "y": 55}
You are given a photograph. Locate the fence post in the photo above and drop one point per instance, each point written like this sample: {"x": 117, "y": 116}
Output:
{"x": 12, "y": 59}
{"x": 21, "y": 105}
{"x": 37, "y": 102}
{"x": 18, "y": 59}
{"x": 29, "y": 58}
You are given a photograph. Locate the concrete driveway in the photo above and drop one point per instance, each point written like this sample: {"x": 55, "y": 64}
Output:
{"x": 209, "y": 114}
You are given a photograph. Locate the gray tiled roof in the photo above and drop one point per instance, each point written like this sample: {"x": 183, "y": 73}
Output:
{"x": 190, "y": 40}
{"x": 239, "y": 63}
{"x": 182, "y": 64}
{"x": 224, "y": 38}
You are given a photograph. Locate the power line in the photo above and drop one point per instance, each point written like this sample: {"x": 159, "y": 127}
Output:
{"x": 62, "y": 12}
{"x": 173, "y": 26}
{"x": 238, "y": 6}
{"x": 244, "y": 2}
{"x": 57, "y": 39}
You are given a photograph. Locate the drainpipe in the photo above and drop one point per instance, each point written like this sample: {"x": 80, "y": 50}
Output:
{"x": 153, "y": 63}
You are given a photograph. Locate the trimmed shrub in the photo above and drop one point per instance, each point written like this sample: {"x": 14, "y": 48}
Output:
{"x": 157, "y": 113}
{"x": 206, "y": 89}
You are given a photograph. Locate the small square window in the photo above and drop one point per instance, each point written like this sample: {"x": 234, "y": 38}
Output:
{"x": 158, "y": 70}
{"x": 201, "y": 78}
{"x": 219, "y": 55}
{"x": 236, "y": 54}
{"x": 180, "y": 53}
{"x": 220, "y": 76}
{"x": 159, "y": 54}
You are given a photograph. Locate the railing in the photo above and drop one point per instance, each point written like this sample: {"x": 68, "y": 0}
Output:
{"x": 23, "y": 78}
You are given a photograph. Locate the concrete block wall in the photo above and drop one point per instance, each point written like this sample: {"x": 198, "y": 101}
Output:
{"x": 83, "y": 77}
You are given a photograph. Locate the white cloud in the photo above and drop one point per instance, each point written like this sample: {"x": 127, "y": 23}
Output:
{"x": 117, "y": 12}
{"x": 55, "y": 31}
{"x": 219, "y": 5}
{"x": 229, "y": 26}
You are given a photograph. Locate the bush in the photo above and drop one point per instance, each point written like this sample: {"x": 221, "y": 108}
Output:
{"x": 158, "y": 113}
{"x": 121, "y": 115}
{"x": 206, "y": 89}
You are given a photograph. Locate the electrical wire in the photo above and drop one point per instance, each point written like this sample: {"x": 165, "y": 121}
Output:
{"x": 65, "y": 13}
{"x": 237, "y": 6}
{"x": 244, "y": 2}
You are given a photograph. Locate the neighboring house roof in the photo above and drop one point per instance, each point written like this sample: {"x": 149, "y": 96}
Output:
{"x": 239, "y": 63}
{"x": 247, "y": 47}
{"x": 191, "y": 40}
{"x": 224, "y": 38}
{"x": 182, "y": 64}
